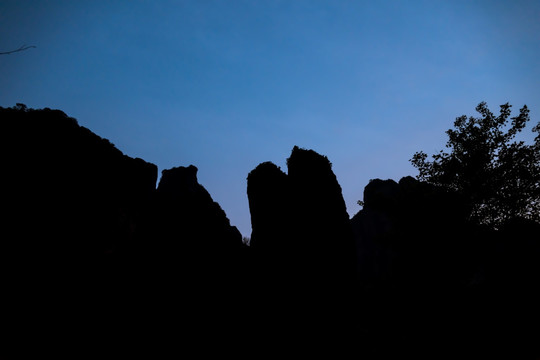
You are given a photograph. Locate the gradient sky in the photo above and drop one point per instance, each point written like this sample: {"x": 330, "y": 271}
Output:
{"x": 226, "y": 85}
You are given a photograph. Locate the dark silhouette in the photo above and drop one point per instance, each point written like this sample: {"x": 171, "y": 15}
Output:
{"x": 401, "y": 222}
{"x": 269, "y": 196}
{"x": 426, "y": 271}
{"x": 303, "y": 242}
{"x": 72, "y": 198}
{"x": 190, "y": 232}
{"x": 498, "y": 176}
{"x": 88, "y": 240}
{"x": 322, "y": 230}
{"x": 22, "y": 48}
{"x": 91, "y": 245}
{"x": 301, "y": 217}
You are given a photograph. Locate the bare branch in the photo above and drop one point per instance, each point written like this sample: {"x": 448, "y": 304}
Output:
{"x": 22, "y": 48}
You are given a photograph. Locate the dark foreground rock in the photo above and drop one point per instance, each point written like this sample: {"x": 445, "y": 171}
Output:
{"x": 92, "y": 249}
{"x": 303, "y": 246}
{"x": 93, "y": 254}
{"x": 436, "y": 285}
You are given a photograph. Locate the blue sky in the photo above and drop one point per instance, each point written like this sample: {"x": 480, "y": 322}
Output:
{"x": 226, "y": 85}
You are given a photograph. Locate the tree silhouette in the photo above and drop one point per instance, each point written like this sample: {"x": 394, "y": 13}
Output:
{"x": 498, "y": 175}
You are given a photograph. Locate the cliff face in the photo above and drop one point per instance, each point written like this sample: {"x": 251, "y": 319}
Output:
{"x": 72, "y": 197}
{"x": 76, "y": 207}
{"x": 300, "y": 218}
{"x": 407, "y": 228}
{"x": 302, "y": 247}
{"x": 192, "y": 214}
{"x": 269, "y": 199}
{"x": 322, "y": 229}
{"x": 87, "y": 239}
{"x": 418, "y": 253}
{"x": 89, "y": 243}
{"x": 189, "y": 226}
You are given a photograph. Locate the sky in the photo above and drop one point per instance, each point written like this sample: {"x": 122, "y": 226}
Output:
{"x": 226, "y": 85}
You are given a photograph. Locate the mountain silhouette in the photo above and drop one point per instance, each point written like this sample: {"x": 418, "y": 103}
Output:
{"x": 90, "y": 241}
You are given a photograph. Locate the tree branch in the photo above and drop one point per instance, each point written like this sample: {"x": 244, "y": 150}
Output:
{"x": 22, "y": 48}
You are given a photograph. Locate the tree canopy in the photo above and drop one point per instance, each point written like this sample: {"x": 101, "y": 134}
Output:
{"x": 497, "y": 174}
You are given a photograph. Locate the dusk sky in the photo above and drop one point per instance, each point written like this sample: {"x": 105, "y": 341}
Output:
{"x": 226, "y": 85}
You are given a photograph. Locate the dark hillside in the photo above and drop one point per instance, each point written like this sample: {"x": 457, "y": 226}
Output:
{"x": 73, "y": 199}
{"x": 93, "y": 251}
{"x": 88, "y": 240}
{"x": 439, "y": 285}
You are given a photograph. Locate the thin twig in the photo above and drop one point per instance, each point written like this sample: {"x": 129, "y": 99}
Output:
{"x": 22, "y": 48}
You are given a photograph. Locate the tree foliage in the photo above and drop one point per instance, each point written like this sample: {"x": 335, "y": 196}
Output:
{"x": 497, "y": 174}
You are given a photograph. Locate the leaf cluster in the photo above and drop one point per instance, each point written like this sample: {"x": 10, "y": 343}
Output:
{"x": 499, "y": 175}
